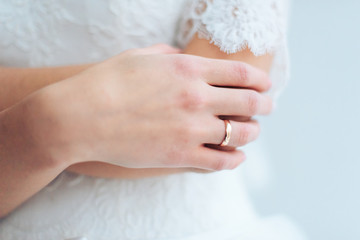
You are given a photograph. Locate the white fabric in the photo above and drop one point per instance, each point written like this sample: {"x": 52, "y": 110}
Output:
{"x": 35, "y": 33}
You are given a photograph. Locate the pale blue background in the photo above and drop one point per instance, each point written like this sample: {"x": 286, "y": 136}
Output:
{"x": 314, "y": 136}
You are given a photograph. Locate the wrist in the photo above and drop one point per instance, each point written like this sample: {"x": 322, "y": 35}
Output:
{"x": 18, "y": 146}
{"x": 41, "y": 130}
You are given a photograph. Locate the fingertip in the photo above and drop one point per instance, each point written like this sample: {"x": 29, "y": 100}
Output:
{"x": 242, "y": 155}
{"x": 266, "y": 105}
{"x": 268, "y": 82}
{"x": 265, "y": 79}
{"x": 270, "y": 104}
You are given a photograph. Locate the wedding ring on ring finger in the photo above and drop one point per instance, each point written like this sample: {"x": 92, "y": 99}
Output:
{"x": 227, "y": 137}
{"x": 235, "y": 134}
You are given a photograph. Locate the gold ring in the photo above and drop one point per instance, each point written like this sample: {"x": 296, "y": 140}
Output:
{"x": 226, "y": 140}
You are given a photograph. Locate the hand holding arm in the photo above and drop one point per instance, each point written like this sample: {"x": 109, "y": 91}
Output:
{"x": 111, "y": 118}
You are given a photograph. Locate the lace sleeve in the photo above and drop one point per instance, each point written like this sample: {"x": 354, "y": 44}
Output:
{"x": 233, "y": 25}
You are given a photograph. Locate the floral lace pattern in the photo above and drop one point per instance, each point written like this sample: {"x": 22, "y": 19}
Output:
{"x": 232, "y": 26}
{"x": 37, "y": 33}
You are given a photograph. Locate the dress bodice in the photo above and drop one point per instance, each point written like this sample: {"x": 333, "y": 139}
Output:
{"x": 35, "y": 33}
{"x": 45, "y": 33}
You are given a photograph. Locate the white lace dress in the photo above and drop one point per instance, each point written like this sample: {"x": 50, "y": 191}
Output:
{"x": 35, "y": 33}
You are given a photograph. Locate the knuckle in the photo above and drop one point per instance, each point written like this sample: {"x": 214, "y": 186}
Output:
{"x": 253, "y": 102}
{"x": 191, "y": 99}
{"x": 185, "y": 66}
{"x": 243, "y": 72}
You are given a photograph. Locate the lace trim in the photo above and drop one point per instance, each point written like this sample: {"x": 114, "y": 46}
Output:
{"x": 233, "y": 25}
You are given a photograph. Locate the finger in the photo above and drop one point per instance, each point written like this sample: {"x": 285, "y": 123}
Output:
{"x": 211, "y": 159}
{"x": 160, "y": 49}
{"x": 241, "y": 132}
{"x": 226, "y": 73}
{"x": 238, "y": 102}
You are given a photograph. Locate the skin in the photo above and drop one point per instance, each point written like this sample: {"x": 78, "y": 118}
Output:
{"x": 58, "y": 126}
{"x": 18, "y": 83}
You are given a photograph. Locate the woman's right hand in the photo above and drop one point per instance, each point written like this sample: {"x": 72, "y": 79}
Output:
{"x": 152, "y": 107}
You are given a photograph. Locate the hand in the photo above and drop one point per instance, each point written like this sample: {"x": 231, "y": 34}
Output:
{"x": 153, "y": 108}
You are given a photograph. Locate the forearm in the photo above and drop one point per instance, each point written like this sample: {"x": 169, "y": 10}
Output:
{"x": 17, "y": 83}
{"x": 25, "y": 167}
